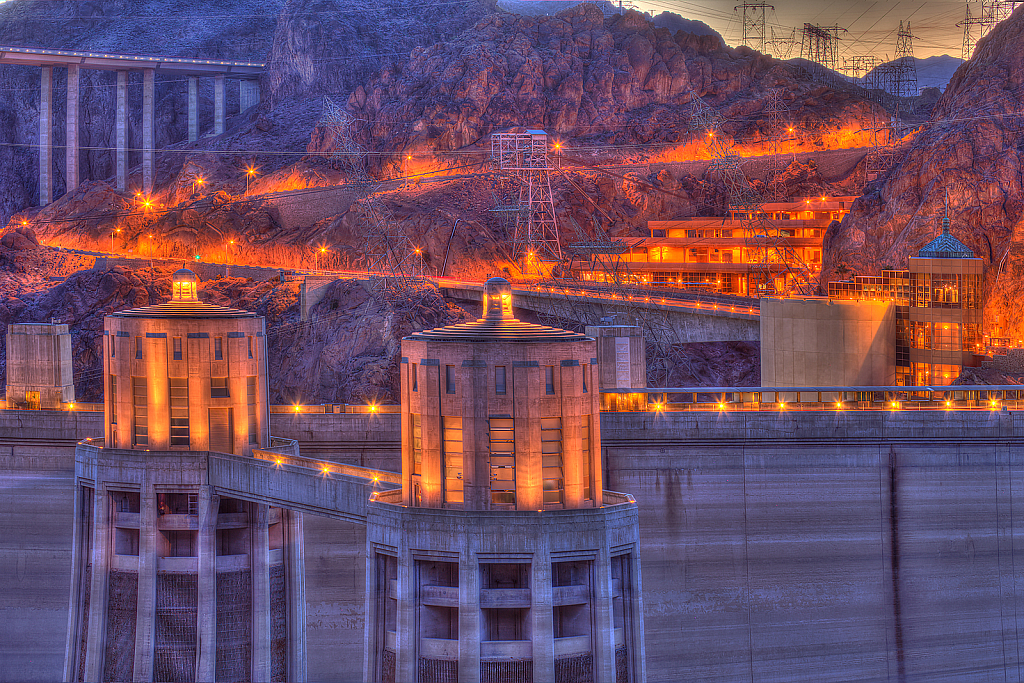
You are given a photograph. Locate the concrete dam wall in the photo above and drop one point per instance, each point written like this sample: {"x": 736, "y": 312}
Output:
{"x": 877, "y": 546}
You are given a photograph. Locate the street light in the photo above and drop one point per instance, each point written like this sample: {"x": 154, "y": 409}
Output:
{"x": 249, "y": 173}
{"x": 197, "y": 182}
{"x": 118, "y": 231}
{"x": 319, "y": 257}
{"x": 227, "y": 248}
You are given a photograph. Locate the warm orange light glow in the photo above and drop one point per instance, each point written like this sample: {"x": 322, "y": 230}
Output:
{"x": 71, "y": 406}
{"x": 895, "y": 405}
{"x": 721, "y": 406}
{"x": 297, "y": 408}
{"x": 323, "y": 250}
{"x": 24, "y": 222}
{"x": 948, "y": 404}
{"x": 839, "y": 405}
{"x": 277, "y": 461}
{"x": 373, "y": 408}
{"x": 782, "y": 405}
{"x": 326, "y": 469}
{"x": 250, "y": 171}
{"x": 199, "y": 181}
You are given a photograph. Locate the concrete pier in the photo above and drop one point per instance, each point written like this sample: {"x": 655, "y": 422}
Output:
{"x": 148, "y": 123}
{"x": 45, "y": 135}
{"x": 219, "y": 96}
{"x": 248, "y": 95}
{"x": 71, "y": 126}
{"x": 193, "y": 108}
{"x": 121, "y": 131}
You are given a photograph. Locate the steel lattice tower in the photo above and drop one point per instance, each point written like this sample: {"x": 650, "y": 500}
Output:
{"x": 390, "y": 253}
{"x": 781, "y": 44}
{"x": 820, "y": 44}
{"x": 977, "y": 26}
{"x": 776, "y": 115}
{"x": 524, "y": 156}
{"x": 753, "y": 20}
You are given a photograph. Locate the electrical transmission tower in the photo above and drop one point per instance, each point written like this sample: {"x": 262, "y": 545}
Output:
{"x": 771, "y": 259}
{"x": 395, "y": 266}
{"x": 820, "y": 44}
{"x": 753, "y": 24}
{"x": 780, "y": 44}
{"x": 776, "y": 115}
{"x": 524, "y": 157}
{"x": 859, "y": 67}
{"x": 977, "y": 26}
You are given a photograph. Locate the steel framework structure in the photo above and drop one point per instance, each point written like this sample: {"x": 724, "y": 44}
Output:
{"x": 391, "y": 255}
{"x": 977, "y": 26}
{"x": 820, "y": 44}
{"x": 753, "y": 21}
{"x": 524, "y": 157}
{"x": 769, "y": 255}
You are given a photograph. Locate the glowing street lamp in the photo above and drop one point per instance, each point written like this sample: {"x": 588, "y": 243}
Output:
{"x": 250, "y": 172}
{"x": 197, "y": 182}
{"x": 118, "y": 231}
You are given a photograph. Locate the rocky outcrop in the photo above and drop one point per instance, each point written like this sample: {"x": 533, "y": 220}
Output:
{"x": 970, "y": 150}
{"x": 609, "y": 81}
{"x": 327, "y": 47}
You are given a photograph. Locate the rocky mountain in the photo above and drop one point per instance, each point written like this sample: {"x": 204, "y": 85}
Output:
{"x": 970, "y": 149}
{"x": 932, "y": 72}
{"x": 591, "y": 80}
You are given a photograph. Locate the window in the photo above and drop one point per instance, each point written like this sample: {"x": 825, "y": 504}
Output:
{"x": 549, "y": 379}
{"x": 551, "y": 453}
{"x": 415, "y": 377}
{"x": 177, "y": 348}
{"x": 219, "y": 387}
{"x": 499, "y": 379}
{"x": 113, "y": 399}
{"x": 178, "y": 389}
{"x": 585, "y": 369}
{"x": 222, "y": 430}
{"x": 417, "y": 444}
{"x": 250, "y": 396}
{"x": 449, "y": 379}
{"x": 249, "y": 340}
{"x": 113, "y": 346}
{"x": 452, "y": 454}
{"x": 218, "y": 348}
{"x": 140, "y": 414}
{"x": 585, "y": 452}
{"x": 138, "y": 347}
{"x": 503, "y": 461}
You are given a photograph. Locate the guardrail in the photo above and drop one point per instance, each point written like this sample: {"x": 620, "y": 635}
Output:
{"x": 766, "y": 399}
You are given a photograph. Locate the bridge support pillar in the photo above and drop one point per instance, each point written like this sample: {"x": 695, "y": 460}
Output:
{"x": 121, "y": 131}
{"x": 248, "y": 95}
{"x": 193, "y": 109}
{"x": 45, "y": 135}
{"x": 218, "y": 104}
{"x": 71, "y": 120}
{"x": 148, "y": 122}
{"x": 261, "y": 594}
{"x": 207, "y": 612}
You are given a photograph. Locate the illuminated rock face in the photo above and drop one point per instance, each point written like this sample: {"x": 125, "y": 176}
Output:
{"x": 502, "y": 557}
{"x": 185, "y": 375}
{"x": 171, "y": 581}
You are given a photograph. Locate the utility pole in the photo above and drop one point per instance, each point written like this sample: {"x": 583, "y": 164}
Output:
{"x": 753, "y": 21}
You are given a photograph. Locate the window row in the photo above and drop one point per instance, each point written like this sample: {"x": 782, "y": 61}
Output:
{"x": 178, "y": 412}
{"x": 139, "y": 344}
{"x": 501, "y": 441}
{"x": 501, "y": 378}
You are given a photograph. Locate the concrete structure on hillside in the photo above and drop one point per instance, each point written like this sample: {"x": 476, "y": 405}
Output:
{"x": 721, "y": 254}
{"x": 938, "y": 304}
{"x": 621, "y": 364}
{"x": 39, "y": 370}
{"x": 149, "y": 66}
{"x": 816, "y": 342}
{"x": 502, "y": 558}
{"x": 170, "y": 580}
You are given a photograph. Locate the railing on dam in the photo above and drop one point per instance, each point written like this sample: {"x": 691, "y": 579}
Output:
{"x": 768, "y": 399}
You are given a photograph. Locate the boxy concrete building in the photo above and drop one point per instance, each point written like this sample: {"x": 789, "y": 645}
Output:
{"x": 814, "y": 342}
{"x": 39, "y": 370}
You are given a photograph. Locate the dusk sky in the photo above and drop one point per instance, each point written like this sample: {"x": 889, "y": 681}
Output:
{"x": 872, "y": 25}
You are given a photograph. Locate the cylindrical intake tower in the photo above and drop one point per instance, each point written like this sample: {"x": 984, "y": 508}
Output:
{"x": 170, "y": 580}
{"x": 502, "y": 558}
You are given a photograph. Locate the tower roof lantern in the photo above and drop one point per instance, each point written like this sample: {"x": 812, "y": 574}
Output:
{"x": 945, "y": 245}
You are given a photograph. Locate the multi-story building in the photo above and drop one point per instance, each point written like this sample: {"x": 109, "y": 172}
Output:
{"x": 724, "y": 255}
{"x": 170, "y": 581}
{"x": 502, "y": 557}
{"x": 938, "y": 310}
{"x": 39, "y": 370}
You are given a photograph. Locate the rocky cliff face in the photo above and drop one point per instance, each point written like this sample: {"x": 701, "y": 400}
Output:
{"x": 971, "y": 149}
{"x": 616, "y": 81}
{"x": 327, "y": 47}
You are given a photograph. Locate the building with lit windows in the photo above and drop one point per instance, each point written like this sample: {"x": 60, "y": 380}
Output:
{"x": 170, "y": 581}
{"x": 938, "y": 305}
{"x": 720, "y": 254}
{"x": 502, "y": 557}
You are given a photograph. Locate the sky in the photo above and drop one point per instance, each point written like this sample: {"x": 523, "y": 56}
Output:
{"x": 871, "y": 25}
